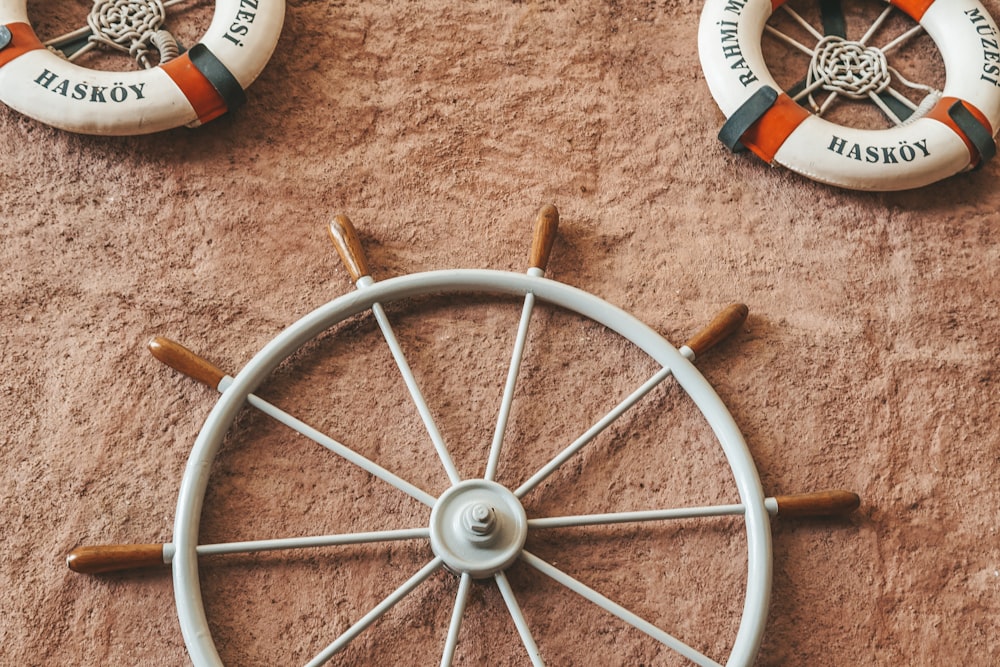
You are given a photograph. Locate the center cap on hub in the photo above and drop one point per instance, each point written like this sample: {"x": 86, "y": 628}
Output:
{"x": 478, "y": 528}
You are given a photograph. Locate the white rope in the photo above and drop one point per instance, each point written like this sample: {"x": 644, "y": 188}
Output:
{"x": 132, "y": 26}
{"x": 848, "y": 68}
{"x": 858, "y": 72}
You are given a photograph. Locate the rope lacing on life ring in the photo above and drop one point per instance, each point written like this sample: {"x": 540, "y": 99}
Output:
{"x": 858, "y": 71}
{"x": 848, "y": 68}
{"x": 133, "y": 26}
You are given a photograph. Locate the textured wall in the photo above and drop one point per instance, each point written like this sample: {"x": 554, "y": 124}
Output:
{"x": 868, "y": 361}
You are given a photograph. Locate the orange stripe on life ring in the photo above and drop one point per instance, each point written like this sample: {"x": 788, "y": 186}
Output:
{"x": 22, "y": 40}
{"x": 200, "y": 92}
{"x": 767, "y": 135}
{"x": 915, "y": 9}
{"x": 940, "y": 114}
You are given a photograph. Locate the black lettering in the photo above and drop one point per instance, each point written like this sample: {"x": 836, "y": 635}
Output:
{"x": 975, "y": 15}
{"x": 729, "y": 34}
{"x": 118, "y": 93}
{"x": 736, "y": 6}
{"x": 991, "y": 47}
{"x": 906, "y": 151}
{"x": 45, "y": 78}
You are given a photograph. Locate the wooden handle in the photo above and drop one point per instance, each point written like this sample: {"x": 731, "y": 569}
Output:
{"x": 726, "y": 323}
{"x": 546, "y": 225}
{"x": 184, "y": 360}
{"x": 348, "y": 245}
{"x": 115, "y": 558}
{"x": 819, "y": 503}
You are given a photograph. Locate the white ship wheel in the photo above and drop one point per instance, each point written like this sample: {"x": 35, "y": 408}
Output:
{"x": 477, "y": 528}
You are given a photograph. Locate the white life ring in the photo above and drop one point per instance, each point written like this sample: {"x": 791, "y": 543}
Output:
{"x": 192, "y": 89}
{"x": 920, "y": 152}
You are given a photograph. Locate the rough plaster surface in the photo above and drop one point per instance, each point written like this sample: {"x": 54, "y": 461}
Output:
{"x": 868, "y": 361}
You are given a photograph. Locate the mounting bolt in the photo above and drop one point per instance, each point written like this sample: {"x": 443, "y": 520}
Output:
{"x": 5, "y": 37}
{"x": 480, "y": 519}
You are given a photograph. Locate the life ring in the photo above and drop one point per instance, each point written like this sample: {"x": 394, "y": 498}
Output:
{"x": 197, "y": 86}
{"x": 955, "y": 132}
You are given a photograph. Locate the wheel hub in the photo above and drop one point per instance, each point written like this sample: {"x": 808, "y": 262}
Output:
{"x": 478, "y": 528}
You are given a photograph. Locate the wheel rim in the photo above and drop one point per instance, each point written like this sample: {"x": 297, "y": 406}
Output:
{"x": 194, "y": 623}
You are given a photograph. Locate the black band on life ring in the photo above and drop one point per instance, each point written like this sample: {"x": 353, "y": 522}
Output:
{"x": 222, "y": 79}
{"x": 744, "y": 117}
{"x": 974, "y": 132}
{"x": 832, "y": 16}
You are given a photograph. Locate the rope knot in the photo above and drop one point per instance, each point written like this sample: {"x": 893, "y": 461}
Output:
{"x": 131, "y": 26}
{"x": 848, "y": 68}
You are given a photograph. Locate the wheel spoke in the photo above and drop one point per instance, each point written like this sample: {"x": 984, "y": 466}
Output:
{"x": 519, "y": 621}
{"x": 456, "y": 619}
{"x": 68, "y": 37}
{"x": 592, "y": 432}
{"x": 337, "y": 448}
{"x": 639, "y": 516}
{"x": 343, "y": 539}
{"x": 902, "y": 39}
{"x": 411, "y": 384}
{"x": 831, "y": 98}
{"x": 542, "y": 238}
{"x": 508, "y": 391}
{"x": 876, "y": 25}
{"x": 808, "y": 90}
{"x": 802, "y": 22}
{"x": 86, "y": 48}
{"x": 815, "y": 503}
{"x": 902, "y": 99}
{"x": 791, "y": 42}
{"x": 617, "y": 610}
{"x": 890, "y": 114}
{"x": 373, "y": 615}
{"x": 345, "y": 239}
